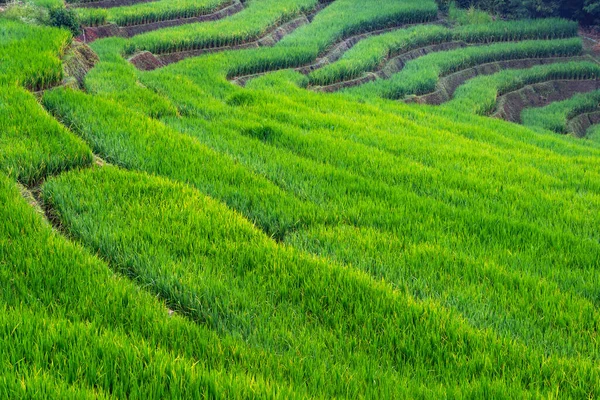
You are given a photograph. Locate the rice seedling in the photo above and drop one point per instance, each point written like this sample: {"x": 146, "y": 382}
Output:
{"x": 29, "y": 54}
{"x": 306, "y": 43}
{"x": 261, "y": 277}
{"x": 70, "y": 327}
{"x": 32, "y": 143}
{"x": 117, "y": 81}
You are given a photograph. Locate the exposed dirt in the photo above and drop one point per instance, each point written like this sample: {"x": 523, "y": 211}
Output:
{"x": 31, "y": 199}
{"x": 510, "y": 105}
{"x": 448, "y": 84}
{"x": 368, "y": 77}
{"x": 591, "y": 39}
{"x": 98, "y": 32}
{"x": 145, "y": 61}
{"x": 581, "y": 123}
{"x": 78, "y": 61}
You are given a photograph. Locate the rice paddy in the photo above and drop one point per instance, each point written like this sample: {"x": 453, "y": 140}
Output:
{"x": 216, "y": 226}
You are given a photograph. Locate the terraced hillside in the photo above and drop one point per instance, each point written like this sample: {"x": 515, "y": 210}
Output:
{"x": 295, "y": 198}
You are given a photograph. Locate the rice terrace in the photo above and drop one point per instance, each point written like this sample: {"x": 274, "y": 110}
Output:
{"x": 373, "y": 199}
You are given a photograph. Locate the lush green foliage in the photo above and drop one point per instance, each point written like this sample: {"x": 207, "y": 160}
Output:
{"x": 29, "y": 55}
{"x": 554, "y": 117}
{"x": 479, "y": 94}
{"x": 61, "y": 17}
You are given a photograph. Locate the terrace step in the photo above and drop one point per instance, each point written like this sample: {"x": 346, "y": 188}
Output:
{"x": 391, "y": 67}
{"x": 396, "y": 64}
{"x": 510, "y": 105}
{"x": 272, "y": 37}
{"x": 337, "y": 50}
{"x": 580, "y": 124}
{"x": 448, "y": 84}
{"x": 78, "y": 61}
{"x": 107, "y": 3}
{"x": 334, "y": 53}
{"x": 109, "y": 30}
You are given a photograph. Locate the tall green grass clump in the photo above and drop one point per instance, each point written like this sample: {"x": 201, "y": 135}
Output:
{"x": 34, "y": 145}
{"x": 470, "y": 16}
{"x": 30, "y": 54}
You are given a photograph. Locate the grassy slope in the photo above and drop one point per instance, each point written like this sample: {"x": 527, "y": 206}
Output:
{"x": 419, "y": 251}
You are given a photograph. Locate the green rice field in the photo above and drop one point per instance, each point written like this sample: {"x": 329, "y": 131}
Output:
{"x": 297, "y": 199}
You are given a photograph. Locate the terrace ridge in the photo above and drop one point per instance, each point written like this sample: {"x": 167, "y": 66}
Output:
{"x": 334, "y": 52}
{"x": 107, "y": 3}
{"x": 449, "y": 83}
{"x": 580, "y": 124}
{"x": 511, "y": 104}
{"x": 108, "y": 30}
